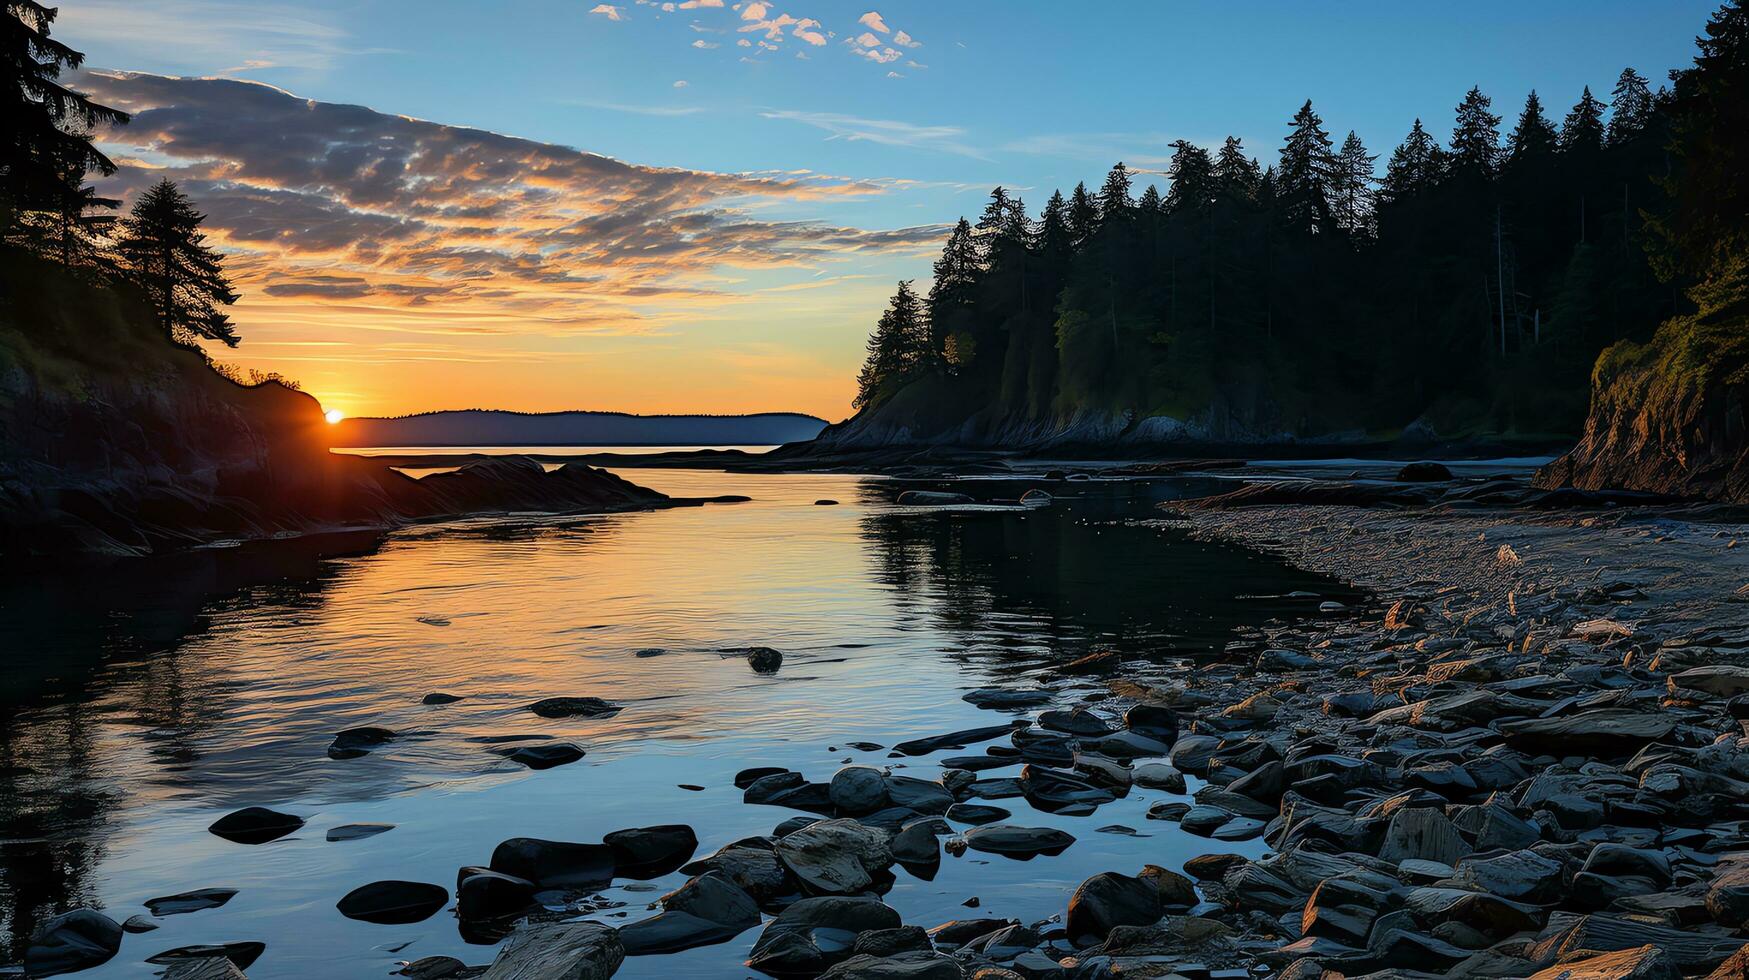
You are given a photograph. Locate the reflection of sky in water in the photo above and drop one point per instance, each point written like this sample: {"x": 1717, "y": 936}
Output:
{"x": 152, "y": 705}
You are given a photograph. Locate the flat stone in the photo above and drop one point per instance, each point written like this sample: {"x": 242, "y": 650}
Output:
{"x": 559, "y": 951}
{"x": 194, "y": 901}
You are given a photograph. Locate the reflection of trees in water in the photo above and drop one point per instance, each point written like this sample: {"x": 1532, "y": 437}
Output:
{"x": 72, "y": 639}
{"x": 1064, "y": 579}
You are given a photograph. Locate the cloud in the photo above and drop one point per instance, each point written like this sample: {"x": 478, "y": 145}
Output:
{"x": 904, "y": 40}
{"x": 808, "y": 30}
{"x": 696, "y": 4}
{"x": 609, "y": 11}
{"x": 772, "y": 27}
{"x": 210, "y": 35}
{"x": 894, "y": 74}
{"x": 888, "y": 132}
{"x": 645, "y": 110}
{"x": 754, "y": 11}
{"x": 704, "y": 45}
{"x": 872, "y": 20}
{"x": 680, "y": 83}
{"x": 446, "y": 229}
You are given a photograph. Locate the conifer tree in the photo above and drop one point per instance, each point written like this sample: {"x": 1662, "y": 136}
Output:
{"x": 1630, "y": 107}
{"x": 1235, "y": 173}
{"x": 894, "y": 350}
{"x": 1475, "y": 140}
{"x": 1114, "y": 196}
{"x": 1582, "y": 131}
{"x": 1193, "y": 178}
{"x": 1415, "y": 165}
{"x": 1150, "y": 202}
{"x": 1307, "y": 165}
{"x": 1083, "y": 216}
{"x": 1352, "y": 187}
{"x": 995, "y": 213}
{"x": 1533, "y": 139}
{"x": 1054, "y": 235}
{"x": 167, "y": 256}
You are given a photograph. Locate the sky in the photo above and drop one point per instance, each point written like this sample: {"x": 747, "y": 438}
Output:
{"x": 703, "y": 206}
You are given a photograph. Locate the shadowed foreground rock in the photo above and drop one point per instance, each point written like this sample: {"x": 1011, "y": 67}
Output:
{"x": 559, "y": 951}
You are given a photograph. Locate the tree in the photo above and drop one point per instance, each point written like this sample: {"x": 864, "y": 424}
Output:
{"x": 1351, "y": 187}
{"x": 1533, "y": 139}
{"x": 47, "y": 124}
{"x": 1083, "y": 216}
{"x": 1582, "y": 131}
{"x": 1303, "y": 180}
{"x": 894, "y": 350}
{"x": 1415, "y": 165}
{"x": 1235, "y": 173}
{"x": 1475, "y": 140}
{"x": 1631, "y": 107}
{"x": 1150, "y": 202}
{"x": 1054, "y": 235}
{"x": 1193, "y": 178}
{"x": 1114, "y": 195}
{"x": 167, "y": 256}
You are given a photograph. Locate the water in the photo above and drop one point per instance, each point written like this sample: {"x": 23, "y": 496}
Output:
{"x": 139, "y": 704}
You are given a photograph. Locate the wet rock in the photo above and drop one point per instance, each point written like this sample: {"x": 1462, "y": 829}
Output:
{"x": 952, "y": 740}
{"x": 1175, "y": 890}
{"x": 1192, "y": 754}
{"x": 764, "y": 660}
{"x": 559, "y": 951}
{"x": 959, "y": 932}
{"x": 916, "y": 844}
{"x": 1157, "y": 721}
{"x": 76, "y": 940}
{"x": 579, "y": 707}
{"x": 1482, "y": 911}
{"x": 432, "y": 968}
{"x": 438, "y": 697}
{"x": 1422, "y": 833}
{"x": 835, "y": 857}
{"x": 1424, "y": 472}
{"x": 755, "y": 870}
{"x": 545, "y": 755}
{"x": 1053, "y": 790}
{"x": 747, "y": 777}
{"x": 357, "y": 831}
{"x": 194, "y": 901}
{"x": 1353, "y": 704}
{"x": 1602, "y": 732}
{"x": 1639, "y": 963}
{"x": 393, "y": 902}
{"x": 708, "y": 909}
{"x": 1213, "y": 867}
{"x": 1343, "y": 910}
{"x": 1078, "y": 721}
{"x": 1523, "y": 876}
{"x": 1000, "y": 698}
{"x": 889, "y": 942}
{"x": 1018, "y": 842}
{"x": 650, "y": 852}
{"x": 920, "y": 795}
{"x": 1719, "y": 680}
{"x": 1204, "y": 820}
{"x": 1107, "y": 900}
{"x": 1727, "y": 898}
{"x": 484, "y": 894}
{"x": 792, "y": 825}
{"x": 255, "y": 825}
{"x": 931, "y": 498}
{"x": 1265, "y": 784}
{"x": 1158, "y": 775}
{"x": 767, "y": 789}
{"x": 205, "y": 968}
{"x": 554, "y": 864}
{"x": 813, "y": 934}
{"x": 138, "y": 924}
{"x": 1692, "y": 952}
{"x": 241, "y": 955}
{"x": 1094, "y": 663}
{"x": 355, "y": 742}
{"x": 903, "y": 966}
{"x": 976, "y": 813}
{"x": 1396, "y": 940}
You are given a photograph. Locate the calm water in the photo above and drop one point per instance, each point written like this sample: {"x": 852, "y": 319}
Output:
{"x": 140, "y": 704}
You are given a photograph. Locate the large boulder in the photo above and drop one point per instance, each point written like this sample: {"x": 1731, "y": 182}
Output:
{"x": 706, "y": 910}
{"x": 76, "y": 940}
{"x": 650, "y": 852}
{"x": 554, "y": 864}
{"x": 559, "y": 951}
{"x": 857, "y": 790}
{"x": 255, "y": 825}
{"x": 815, "y": 933}
{"x": 835, "y": 857}
{"x": 1107, "y": 900}
{"x": 393, "y": 902}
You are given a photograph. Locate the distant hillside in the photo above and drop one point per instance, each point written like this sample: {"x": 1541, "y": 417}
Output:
{"x": 481, "y": 427}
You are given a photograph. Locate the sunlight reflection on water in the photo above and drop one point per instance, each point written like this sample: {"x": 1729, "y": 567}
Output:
{"x": 140, "y": 710}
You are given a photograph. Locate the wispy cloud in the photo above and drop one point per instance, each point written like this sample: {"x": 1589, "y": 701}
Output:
{"x": 212, "y": 35}
{"x": 645, "y": 110}
{"x": 890, "y": 132}
{"x": 609, "y": 11}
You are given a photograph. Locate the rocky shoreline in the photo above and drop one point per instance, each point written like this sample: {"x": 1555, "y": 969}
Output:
{"x": 1525, "y": 759}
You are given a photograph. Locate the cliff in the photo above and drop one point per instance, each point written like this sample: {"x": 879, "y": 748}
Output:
{"x": 1670, "y": 415}
{"x": 113, "y": 441}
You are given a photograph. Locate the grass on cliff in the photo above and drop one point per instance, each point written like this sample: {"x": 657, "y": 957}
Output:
{"x": 1688, "y": 354}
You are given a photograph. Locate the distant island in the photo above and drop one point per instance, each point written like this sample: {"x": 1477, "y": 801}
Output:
{"x": 488, "y": 427}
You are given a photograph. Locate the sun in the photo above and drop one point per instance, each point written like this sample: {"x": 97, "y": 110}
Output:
{"x": 333, "y": 415}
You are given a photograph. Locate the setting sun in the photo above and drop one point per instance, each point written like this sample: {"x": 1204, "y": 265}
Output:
{"x": 333, "y": 415}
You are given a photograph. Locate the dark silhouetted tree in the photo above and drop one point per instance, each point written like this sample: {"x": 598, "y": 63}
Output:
{"x": 1415, "y": 165}
{"x": 1193, "y": 178}
{"x": 1475, "y": 140}
{"x": 1304, "y": 177}
{"x": 1630, "y": 107}
{"x": 1351, "y": 187}
{"x": 1114, "y": 195}
{"x": 1235, "y": 173}
{"x": 1533, "y": 140}
{"x": 1083, "y": 216}
{"x": 165, "y": 252}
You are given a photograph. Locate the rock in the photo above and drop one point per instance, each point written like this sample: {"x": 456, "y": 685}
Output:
{"x": 76, "y": 940}
{"x": 1601, "y": 732}
{"x": 241, "y": 955}
{"x": 999, "y": 698}
{"x": 755, "y": 870}
{"x": 393, "y": 902}
{"x": 651, "y": 852}
{"x": 581, "y": 707}
{"x": 433, "y": 968}
{"x": 1719, "y": 680}
{"x": 888, "y": 942}
{"x": 859, "y": 790}
{"x": 1036, "y": 498}
{"x": 976, "y": 813}
{"x": 1396, "y": 940}
{"x": 1639, "y": 963}
{"x": 1108, "y": 900}
{"x": 1482, "y": 911}
{"x": 559, "y": 951}
{"x": 355, "y": 742}
{"x": 952, "y": 740}
{"x": 255, "y": 825}
{"x": 1343, "y": 911}
{"x": 1213, "y": 867}
{"x": 1523, "y": 876}
{"x": 1018, "y": 842}
{"x": 920, "y": 795}
{"x": 1158, "y": 775}
{"x": 931, "y": 498}
{"x": 357, "y": 831}
{"x": 706, "y": 910}
{"x": 1727, "y": 898}
{"x": 920, "y": 965}
{"x": 485, "y": 894}
{"x": 1693, "y": 952}
{"x": 1204, "y": 820}
{"x": 1424, "y": 472}
{"x": 138, "y": 924}
{"x": 1175, "y": 890}
{"x": 1264, "y": 784}
{"x": 204, "y": 968}
{"x": 825, "y": 502}
{"x": 554, "y": 864}
{"x": 194, "y": 901}
{"x": 811, "y": 935}
{"x": 747, "y": 777}
{"x": 1422, "y": 833}
{"x": 545, "y": 755}
{"x": 438, "y": 697}
{"x": 764, "y": 660}
{"x": 1094, "y": 663}
{"x": 835, "y": 857}
{"x": 1157, "y": 721}
{"x": 1192, "y": 754}
{"x": 1079, "y": 721}
{"x": 1053, "y": 790}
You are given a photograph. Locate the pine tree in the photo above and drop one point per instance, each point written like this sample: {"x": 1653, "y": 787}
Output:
{"x": 1475, "y": 141}
{"x": 1150, "y": 201}
{"x": 1533, "y": 139}
{"x": 1235, "y": 173}
{"x": 166, "y": 255}
{"x": 894, "y": 350}
{"x": 1193, "y": 178}
{"x": 1582, "y": 131}
{"x": 995, "y": 214}
{"x": 1055, "y": 237}
{"x": 1307, "y": 165}
{"x": 1083, "y": 216}
{"x": 1416, "y": 165}
{"x": 1114, "y": 196}
{"x": 47, "y": 124}
{"x": 1630, "y": 107}
{"x": 1351, "y": 196}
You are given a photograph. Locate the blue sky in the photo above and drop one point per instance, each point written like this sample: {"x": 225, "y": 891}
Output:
{"x": 1032, "y": 96}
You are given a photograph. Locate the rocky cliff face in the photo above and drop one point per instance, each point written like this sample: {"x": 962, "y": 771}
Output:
{"x": 1669, "y": 416}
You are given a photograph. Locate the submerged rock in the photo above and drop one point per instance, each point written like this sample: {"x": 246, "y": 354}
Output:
{"x": 76, "y": 940}
{"x": 393, "y": 902}
{"x": 194, "y": 901}
{"x": 255, "y": 825}
{"x": 1018, "y": 842}
{"x": 546, "y": 755}
{"x": 355, "y": 742}
{"x": 811, "y": 935}
{"x": 931, "y": 498}
{"x": 764, "y": 660}
{"x": 242, "y": 954}
{"x": 579, "y": 707}
{"x": 357, "y": 831}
